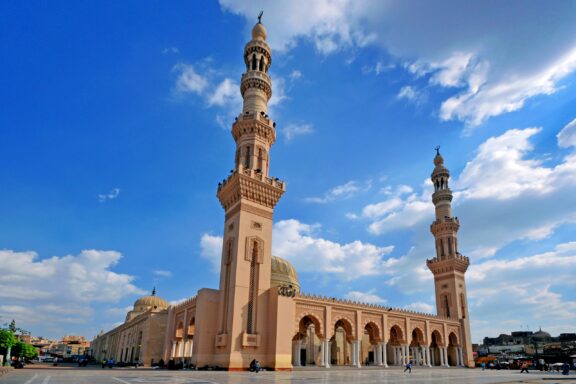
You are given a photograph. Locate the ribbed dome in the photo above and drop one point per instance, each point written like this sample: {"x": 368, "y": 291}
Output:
{"x": 146, "y": 302}
{"x": 283, "y": 273}
{"x": 259, "y": 32}
{"x": 150, "y": 301}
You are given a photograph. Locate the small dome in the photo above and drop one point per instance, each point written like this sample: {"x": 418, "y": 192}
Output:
{"x": 283, "y": 273}
{"x": 438, "y": 160}
{"x": 259, "y": 32}
{"x": 151, "y": 301}
{"x": 541, "y": 335}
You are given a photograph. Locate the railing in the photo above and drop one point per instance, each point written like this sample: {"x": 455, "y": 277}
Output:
{"x": 382, "y": 308}
{"x": 256, "y": 175}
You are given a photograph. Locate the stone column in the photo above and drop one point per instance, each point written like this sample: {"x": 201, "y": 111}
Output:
{"x": 297, "y": 349}
{"x": 461, "y": 355}
{"x": 322, "y": 354}
{"x": 327, "y": 351}
{"x": 384, "y": 353}
{"x": 428, "y": 356}
{"x": 356, "y": 350}
{"x": 172, "y": 355}
{"x": 441, "y": 350}
{"x": 457, "y": 357}
{"x": 446, "y": 357}
{"x": 394, "y": 357}
{"x": 418, "y": 350}
{"x": 406, "y": 354}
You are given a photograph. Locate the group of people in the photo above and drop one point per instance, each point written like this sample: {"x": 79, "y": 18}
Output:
{"x": 108, "y": 363}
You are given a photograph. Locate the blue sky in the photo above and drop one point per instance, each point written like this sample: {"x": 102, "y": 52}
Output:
{"x": 115, "y": 130}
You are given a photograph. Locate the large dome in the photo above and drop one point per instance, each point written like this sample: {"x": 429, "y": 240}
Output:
{"x": 283, "y": 273}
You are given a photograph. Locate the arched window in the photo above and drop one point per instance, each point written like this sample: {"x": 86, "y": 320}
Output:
{"x": 253, "y": 290}
{"x": 260, "y": 158}
{"x": 446, "y": 306}
{"x": 227, "y": 262}
{"x": 261, "y": 65}
{"x": 247, "y": 157}
{"x": 253, "y": 62}
{"x": 450, "y": 246}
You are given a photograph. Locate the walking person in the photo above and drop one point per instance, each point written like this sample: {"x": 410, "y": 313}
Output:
{"x": 408, "y": 367}
{"x": 524, "y": 368}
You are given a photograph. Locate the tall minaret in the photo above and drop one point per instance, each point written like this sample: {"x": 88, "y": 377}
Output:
{"x": 449, "y": 266}
{"x": 248, "y": 197}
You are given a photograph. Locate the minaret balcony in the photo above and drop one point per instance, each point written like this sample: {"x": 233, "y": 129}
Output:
{"x": 448, "y": 263}
{"x": 257, "y": 123}
{"x": 252, "y": 185}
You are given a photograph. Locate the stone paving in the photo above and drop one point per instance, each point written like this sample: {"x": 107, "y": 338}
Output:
{"x": 92, "y": 375}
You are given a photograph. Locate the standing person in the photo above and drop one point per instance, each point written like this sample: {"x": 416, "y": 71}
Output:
{"x": 524, "y": 368}
{"x": 483, "y": 366}
{"x": 408, "y": 367}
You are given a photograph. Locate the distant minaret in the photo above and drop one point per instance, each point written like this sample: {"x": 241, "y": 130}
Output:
{"x": 248, "y": 196}
{"x": 449, "y": 266}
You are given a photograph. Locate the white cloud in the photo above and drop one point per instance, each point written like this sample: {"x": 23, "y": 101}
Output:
{"x": 420, "y": 307}
{"x": 113, "y": 194}
{"x": 35, "y": 291}
{"x": 567, "y": 136}
{"x": 211, "y": 250}
{"x": 162, "y": 273}
{"x": 494, "y": 57}
{"x": 369, "y": 297}
{"x": 295, "y": 75}
{"x": 500, "y": 169}
{"x": 298, "y": 243}
{"x": 293, "y": 130}
{"x": 341, "y": 192}
{"x": 411, "y": 94}
{"x": 227, "y": 92}
{"x": 189, "y": 80}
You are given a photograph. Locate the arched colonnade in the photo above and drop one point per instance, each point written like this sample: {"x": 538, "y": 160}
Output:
{"x": 342, "y": 345}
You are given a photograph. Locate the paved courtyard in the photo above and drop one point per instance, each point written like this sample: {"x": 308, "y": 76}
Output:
{"x": 90, "y": 375}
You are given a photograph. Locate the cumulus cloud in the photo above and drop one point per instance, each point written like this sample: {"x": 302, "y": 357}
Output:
{"x": 299, "y": 243}
{"x": 485, "y": 57}
{"x": 34, "y": 290}
{"x": 341, "y": 192}
{"x": 113, "y": 194}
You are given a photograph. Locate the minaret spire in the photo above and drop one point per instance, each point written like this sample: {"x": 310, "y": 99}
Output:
{"x": 449, "y": 265}
{"x": 248, "y": 196}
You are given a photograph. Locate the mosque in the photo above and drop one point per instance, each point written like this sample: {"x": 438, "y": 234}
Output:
{"x": 258, "y": 311}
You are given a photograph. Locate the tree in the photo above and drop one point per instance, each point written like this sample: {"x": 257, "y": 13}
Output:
{"x": 7, "y": 339}
{"x": 21, "y": 349}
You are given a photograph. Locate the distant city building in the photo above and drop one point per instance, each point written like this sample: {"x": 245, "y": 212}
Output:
{"x": 538, "y": 344}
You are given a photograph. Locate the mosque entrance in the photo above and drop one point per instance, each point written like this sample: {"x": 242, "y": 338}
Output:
{"x": 435, "y": 349}
{"x": 306, "y": 343}
{"x": 341, "y": 343}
